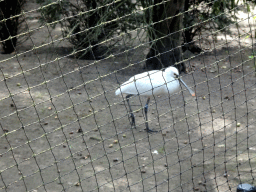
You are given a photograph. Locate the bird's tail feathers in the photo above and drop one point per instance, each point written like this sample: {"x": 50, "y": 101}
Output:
{"x": 118, "y": 91}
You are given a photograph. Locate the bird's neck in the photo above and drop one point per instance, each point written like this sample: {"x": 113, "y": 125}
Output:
{"x": 168, "y": 76}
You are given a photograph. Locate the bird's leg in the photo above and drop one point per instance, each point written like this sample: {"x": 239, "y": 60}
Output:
{"x": 131, "y": 113}
{"x": 146, "y": 115}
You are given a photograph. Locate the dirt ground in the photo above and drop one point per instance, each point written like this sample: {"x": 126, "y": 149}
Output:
{"x": 204, "y": 143}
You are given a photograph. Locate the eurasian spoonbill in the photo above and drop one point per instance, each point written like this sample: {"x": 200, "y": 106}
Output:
{"x": 156, "y": 82}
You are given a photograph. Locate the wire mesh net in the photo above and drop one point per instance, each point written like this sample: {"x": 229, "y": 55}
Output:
{"x": 62, "y": 128}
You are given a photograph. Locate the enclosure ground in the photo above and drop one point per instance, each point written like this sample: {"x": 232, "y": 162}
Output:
{"x": 63, "y": 128}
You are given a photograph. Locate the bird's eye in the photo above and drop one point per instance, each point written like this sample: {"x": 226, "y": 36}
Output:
{"x": 175, "y": 75}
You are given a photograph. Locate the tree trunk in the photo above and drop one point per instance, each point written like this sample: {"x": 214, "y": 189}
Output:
{"x": 165, "y": 37}
{"x": 10, "y": 26}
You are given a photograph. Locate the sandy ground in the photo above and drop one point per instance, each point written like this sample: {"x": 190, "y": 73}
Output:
{"x": 204, "y": 143}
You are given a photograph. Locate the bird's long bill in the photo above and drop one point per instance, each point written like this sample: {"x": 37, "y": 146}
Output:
{"x": 190, "y": 91}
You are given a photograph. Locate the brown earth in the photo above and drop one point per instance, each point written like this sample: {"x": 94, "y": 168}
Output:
{"x": 47, "y": 97}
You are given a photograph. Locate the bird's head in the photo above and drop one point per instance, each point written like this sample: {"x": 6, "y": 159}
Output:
{"x": 173, "y": 72}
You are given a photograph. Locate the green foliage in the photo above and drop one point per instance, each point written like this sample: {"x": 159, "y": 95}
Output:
{"x": 88, "y": 23}
{"x": 52, "y": 11}
{"x": 218, "y": 14}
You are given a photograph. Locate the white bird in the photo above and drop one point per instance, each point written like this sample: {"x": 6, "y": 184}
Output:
{"x": 156, "y": 82}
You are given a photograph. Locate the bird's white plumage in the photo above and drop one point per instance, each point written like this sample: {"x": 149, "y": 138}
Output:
{"x": 150, "y": 83}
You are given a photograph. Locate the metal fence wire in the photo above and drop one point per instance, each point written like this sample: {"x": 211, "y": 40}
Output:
{"x": 62, "y": 128}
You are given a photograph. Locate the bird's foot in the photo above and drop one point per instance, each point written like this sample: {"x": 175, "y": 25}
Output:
{"x": 150, "y": 130}
{"x": 133, "y": 127}
{"x": 133, "y": 121}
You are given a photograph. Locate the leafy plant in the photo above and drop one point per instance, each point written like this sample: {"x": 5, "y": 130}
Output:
{"x": 218, "y": 15}
{"x": 88, "y": 23}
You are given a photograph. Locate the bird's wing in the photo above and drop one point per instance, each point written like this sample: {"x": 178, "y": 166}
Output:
{"x": 144, "y": 75}
{"x": 142, "y": 83}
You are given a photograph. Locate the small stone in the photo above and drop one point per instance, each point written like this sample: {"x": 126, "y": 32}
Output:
{"x": 124, "y": 136}
{"x": 143, "y": 165}
{"x": 196, "y": 188}
{"x": 77, "y": 184}
{"x": 72, "y": 132}
{"x": 56, "y": 117}
{"x": 200, "y": 182}
{"x": 86, "y": 157}
{"x": 90, "y": 110}
{"x": 110, "y": 146}
{"x": 79, "y": 154}
{"x": 64, "y": 146}
{"x": 49, "y": 108}
{"x": 203, "y": 97}
{"x": 238, "y": 124}
{"x": 115, "y": 159}
{"x": 115, "y": 141}
{"x": 79, "y": 130}
{"x": 164, "y": 134}
{"x": 95, "y": 138}
{"x": 165, "y": 165}
{"x": 45, "y": 123}
{"x": 18, "y": 84}
{"x": 12, "y": 105}
{"x": 5, "y": 130}
{"x": 213, "y": 111}
{"x": 143, "y": 171}
{"x": 227, "y": 97}
{"x": 95, "y": 130}
{"x": 225, "y": 175}
{"x": 185, "y": 142}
